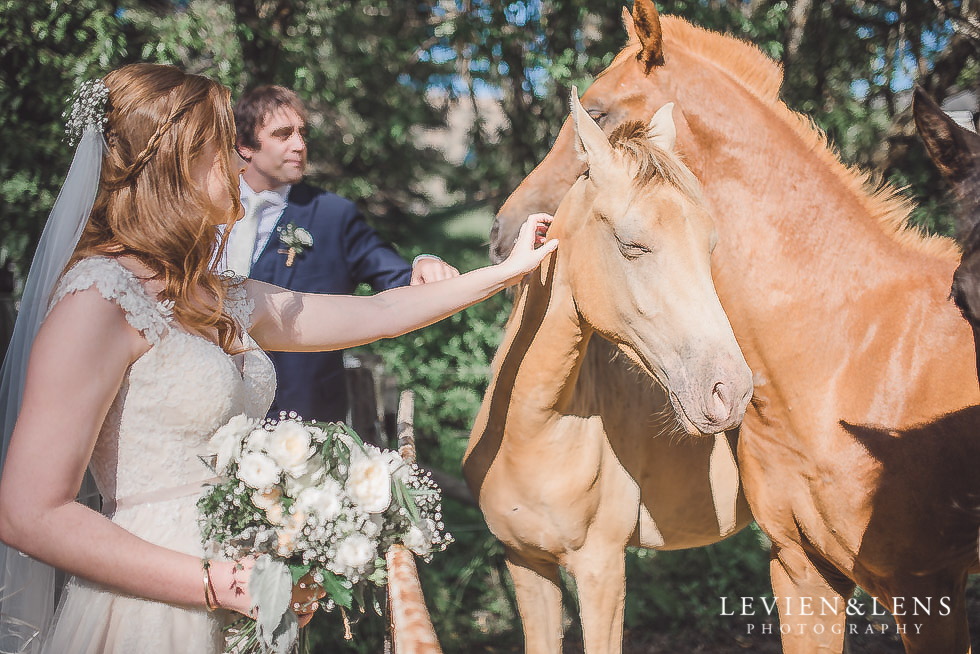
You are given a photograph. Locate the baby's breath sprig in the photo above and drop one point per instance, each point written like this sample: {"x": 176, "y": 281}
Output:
{"x": 87, "y": 109}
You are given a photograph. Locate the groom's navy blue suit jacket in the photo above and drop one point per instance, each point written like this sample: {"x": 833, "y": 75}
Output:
{"x": 345, "y": 252}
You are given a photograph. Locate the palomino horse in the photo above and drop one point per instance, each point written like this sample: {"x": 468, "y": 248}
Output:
{"x": 956, "y": 152}
{"x": 563, "y": 475}
{"x": 859, "y": 453}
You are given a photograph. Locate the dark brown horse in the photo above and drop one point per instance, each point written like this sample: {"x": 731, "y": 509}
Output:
{"x": 859, "y": 454}
{"x": 956, "y": 152}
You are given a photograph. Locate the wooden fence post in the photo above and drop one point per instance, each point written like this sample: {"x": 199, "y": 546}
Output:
{"x": 411, "y": 625}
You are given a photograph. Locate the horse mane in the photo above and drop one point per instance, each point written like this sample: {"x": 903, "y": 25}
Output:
{"x": 632, "y": 139}
{"x": 751, "y": 69}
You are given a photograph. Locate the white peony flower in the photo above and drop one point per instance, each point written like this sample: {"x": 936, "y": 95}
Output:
{"x": 227, "y": 440}
{"x": 369, "y": 483}
{"x": 255, "y": 442}
{"x": 356, "y": 551}
{"x": 289, "y": 445}
{"x": 325, "y": 501}
{"x": 417, "y": 541}
{"x": 258, "y": 470}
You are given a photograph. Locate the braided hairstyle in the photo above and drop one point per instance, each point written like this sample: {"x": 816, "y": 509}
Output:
{"x": 165, "y": 131}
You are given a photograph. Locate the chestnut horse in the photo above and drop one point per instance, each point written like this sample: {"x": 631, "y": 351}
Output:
{"x": 956, "y": 152}
{"x": 563, "y": 475}
{"x": 859, "y": 453}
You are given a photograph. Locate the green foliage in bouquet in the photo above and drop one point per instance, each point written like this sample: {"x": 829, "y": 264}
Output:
{"x": 318, "y": 507}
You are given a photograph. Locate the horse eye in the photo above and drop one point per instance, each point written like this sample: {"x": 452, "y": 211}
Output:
{"x": 632, "y": 250}
{"x": 597, "y": 115}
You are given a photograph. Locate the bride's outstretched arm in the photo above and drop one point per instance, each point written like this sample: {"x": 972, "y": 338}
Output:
{"x": 292, "y": 321}
{"x": 76, "y": 367}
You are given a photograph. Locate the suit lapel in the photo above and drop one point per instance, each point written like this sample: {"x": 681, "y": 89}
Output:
{"x": 271, "y": 264}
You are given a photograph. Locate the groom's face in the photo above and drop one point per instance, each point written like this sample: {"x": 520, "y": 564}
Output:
{"x": 281, "y": 155}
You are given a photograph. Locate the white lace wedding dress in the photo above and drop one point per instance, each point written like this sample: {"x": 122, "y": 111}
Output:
{"x": 146, "y": 463}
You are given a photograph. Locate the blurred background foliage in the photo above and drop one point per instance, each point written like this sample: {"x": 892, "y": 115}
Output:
{"x": 428, "y": 113}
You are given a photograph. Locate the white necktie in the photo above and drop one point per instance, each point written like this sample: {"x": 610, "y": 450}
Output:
{"x": 243, "y": 238}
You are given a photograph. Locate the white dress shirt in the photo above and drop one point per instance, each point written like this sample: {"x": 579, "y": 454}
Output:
{"x": 269, "y": 214}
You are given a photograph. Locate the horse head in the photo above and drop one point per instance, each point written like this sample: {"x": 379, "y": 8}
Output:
{"x": 956, "y": 152}
{"x": 629, "y": 89}
{"x": 635, "y": 256}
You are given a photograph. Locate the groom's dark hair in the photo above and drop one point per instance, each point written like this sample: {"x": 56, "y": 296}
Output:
{"x": 255, "y": 107}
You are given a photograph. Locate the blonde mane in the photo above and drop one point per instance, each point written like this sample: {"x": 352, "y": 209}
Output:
{"x": 632, "y": 140}
{"x": 762, "y": 77}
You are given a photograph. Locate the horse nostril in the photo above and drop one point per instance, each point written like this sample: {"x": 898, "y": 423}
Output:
{"x": 721, "y": 402}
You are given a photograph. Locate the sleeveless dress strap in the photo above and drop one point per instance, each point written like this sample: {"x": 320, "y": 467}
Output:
{"x": 118, "y": 284}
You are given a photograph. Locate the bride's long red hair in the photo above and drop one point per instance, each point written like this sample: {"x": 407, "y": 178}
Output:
{"x": 162, "y": 124}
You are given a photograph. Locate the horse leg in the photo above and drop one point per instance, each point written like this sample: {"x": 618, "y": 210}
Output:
{"x": 536, "y": 584}
{"x": 936, "y": 629}
{"x": 600, "y": 579}
{"x": 812, "y": 603}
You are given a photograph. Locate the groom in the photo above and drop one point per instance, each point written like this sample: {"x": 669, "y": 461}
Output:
{"x": 305, "y": 239}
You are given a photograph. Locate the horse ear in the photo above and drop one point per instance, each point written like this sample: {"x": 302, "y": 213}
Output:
{"x": 590, "y": 142}
{"x": 954, "y": 150}
{"x": 661, "y": 129}
{"x": 646, "y": 21}
{"x": 630, "y": 27}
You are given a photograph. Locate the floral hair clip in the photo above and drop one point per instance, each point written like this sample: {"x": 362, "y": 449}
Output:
{"x": 87, "y": 109}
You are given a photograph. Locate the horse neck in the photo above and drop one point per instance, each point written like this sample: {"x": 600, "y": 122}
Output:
{"x": 538, "y": 362}
{"x": 763, "y": 177}
{"x": 805, "y": 268}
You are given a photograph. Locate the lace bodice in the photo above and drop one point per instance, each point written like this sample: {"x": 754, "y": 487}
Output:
{"x": 174, "y": 397}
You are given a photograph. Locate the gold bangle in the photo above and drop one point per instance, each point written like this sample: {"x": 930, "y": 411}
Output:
{"x": 210, "y": 596}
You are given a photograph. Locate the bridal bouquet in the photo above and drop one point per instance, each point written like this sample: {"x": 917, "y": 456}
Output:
{"x": 315, "y": 504}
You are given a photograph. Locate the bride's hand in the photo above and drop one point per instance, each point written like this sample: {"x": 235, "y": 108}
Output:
{"x": 526, "y": 255}
{"x": 230, "y": 580}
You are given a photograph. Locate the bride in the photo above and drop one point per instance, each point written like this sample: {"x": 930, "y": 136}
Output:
{"x": 141, "y": 352}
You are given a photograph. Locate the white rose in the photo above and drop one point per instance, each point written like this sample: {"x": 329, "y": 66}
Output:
{"x": 256, "y": 440}
{"x": 287, "y": 535}
{"x": 268, "y": 498}
{"x": 227, "y": 439}
{"x": 289, "y": 445}
{"x": 373, "y": 526}
{"x": 274, "y": 514}
{"x": 369, "y": 483}
{"x": 324, "y": 501}
{"x": 312, "y": 474}
{"x": 417, "y": 541}
{"x": 356, "y": 551}
{"x": 258, "y": 470}
{"x": 270, "y": 501}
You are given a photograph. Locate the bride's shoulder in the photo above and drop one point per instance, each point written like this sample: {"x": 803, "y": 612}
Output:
{"x": 105, "y": 283}
{"x": 104, "y": 274}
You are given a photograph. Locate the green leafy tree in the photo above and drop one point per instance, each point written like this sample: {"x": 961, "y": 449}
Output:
{"x": 44, "y": 49}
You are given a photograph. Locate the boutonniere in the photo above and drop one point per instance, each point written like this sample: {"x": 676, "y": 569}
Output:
{"x": 296, "y": 240}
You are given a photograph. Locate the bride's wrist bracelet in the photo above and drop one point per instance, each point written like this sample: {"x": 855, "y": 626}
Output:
{"x": 210, "y": 596}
